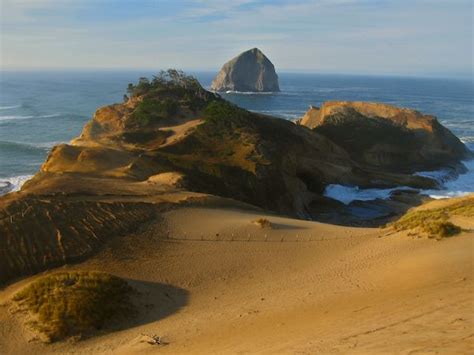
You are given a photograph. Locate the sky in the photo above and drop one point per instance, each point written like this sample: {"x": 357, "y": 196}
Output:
{"x": 401, "y": 37}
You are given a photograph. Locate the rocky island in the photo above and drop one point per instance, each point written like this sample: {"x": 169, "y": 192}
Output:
{"x": 177, "y": 192}
{"x": 250, "y": 71}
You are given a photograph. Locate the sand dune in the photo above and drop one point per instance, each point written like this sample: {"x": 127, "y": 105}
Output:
{"x": 212, "y": 282}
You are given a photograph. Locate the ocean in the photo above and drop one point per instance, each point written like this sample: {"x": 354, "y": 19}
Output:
{"x": 39, "y": 109}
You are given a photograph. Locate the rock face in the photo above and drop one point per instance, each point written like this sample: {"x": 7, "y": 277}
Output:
{"x": 386, "y": 137}
{"x": 249, "y": 71}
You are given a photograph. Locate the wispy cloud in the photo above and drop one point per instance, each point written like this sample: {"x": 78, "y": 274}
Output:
{"x": 320, "y": 35}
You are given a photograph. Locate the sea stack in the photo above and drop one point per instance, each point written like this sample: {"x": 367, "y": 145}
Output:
{"x": 250, "y": 71}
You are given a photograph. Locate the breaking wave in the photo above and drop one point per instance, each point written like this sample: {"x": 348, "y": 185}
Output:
{"x": 9, "y": 107}
{"x": 19, "y": 117}
{"x": 347, "y": 194}
{"x": 12, "y": 184}
{"x": 451, "y": 183}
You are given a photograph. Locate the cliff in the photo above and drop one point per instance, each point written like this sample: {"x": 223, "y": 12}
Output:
{"x": 386, "y": 137}
{"x": 249, "y": 71}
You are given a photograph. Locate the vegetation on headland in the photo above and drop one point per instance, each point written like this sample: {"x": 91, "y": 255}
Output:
{"x": 165, "y": 94}
{"x": 227, "y": 136}
{"x": 435, "y": 222}
{"x": 227, "y": 139}
{"x": 170, "y": 80}
{"x": 223, "y": 150}
{"x": 150, "y": 110}
{"x": 74, "y": 303}
{"x": 224, "y": 110}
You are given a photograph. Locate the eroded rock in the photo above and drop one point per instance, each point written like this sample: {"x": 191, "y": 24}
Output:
{"x": 387, "y": 137}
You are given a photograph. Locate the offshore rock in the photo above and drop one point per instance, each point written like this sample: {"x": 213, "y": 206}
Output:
{"x": 249, "y": 71}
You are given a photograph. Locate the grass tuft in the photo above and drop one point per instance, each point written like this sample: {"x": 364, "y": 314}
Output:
{"x": 435, "y": 222}
{"x": 263, "y": 223}
{"x": 442, "y": 229}
{"x": 74, "y": 303}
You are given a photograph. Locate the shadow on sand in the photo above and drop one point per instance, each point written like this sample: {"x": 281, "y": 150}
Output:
{"x": 154, "y": 301}
{"x": 283, "y": 226}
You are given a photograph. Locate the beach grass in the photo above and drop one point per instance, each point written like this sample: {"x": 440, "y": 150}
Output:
{"x": 435, "y": 222}
{"x": 74, "y": 303}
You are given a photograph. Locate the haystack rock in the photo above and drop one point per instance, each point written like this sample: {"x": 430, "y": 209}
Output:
{"x": 388, "y": 137}
{"x": 249, "y": 71}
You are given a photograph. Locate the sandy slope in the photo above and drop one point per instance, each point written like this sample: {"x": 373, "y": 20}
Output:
{"x": 301, "y": 287}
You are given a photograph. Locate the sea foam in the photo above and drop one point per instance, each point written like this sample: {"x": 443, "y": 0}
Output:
{"x": 14, "y": 117}
{"x": 19, "y": 117}
{"x": 12, "y": 184}
{"x": 347, "y": 194}
{"x": 9, "y": 107}
{"x": 451, "y": 183}
{"x": 460, "y": 186}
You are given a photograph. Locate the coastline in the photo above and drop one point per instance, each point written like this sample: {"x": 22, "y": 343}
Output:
{"x": 452, "y": 183}
{"x": 137, "y": 195}
{"x": 248, "y": 177}
{"x": 298, "y": 90}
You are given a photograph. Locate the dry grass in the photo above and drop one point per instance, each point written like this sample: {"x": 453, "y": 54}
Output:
{"x": 435, "y": 222}
{"x": 263, "y": 223}
{"x": 74, "y": 303}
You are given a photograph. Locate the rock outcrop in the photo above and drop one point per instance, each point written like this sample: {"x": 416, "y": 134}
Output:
{"x": 249, "y": 71}
{"x": 386, "y": 137}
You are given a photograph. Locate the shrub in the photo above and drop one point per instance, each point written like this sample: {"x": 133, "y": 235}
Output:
{"x": 171, "y": 80}
{"x": 147, "y": 111}
{"x": 222, "y": 110}
{"x": 169, "y": 107}
{"x": 165, "y": 94}
{"x": 442, "y": 229}
{"x": 72, "y": 303}
{"x": 142, "y": 87}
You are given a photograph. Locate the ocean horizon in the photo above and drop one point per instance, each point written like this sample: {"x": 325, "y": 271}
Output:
{"x": 39, "y": 109}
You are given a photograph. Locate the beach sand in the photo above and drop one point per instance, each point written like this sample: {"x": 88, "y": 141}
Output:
{"x": 213, "y": 282}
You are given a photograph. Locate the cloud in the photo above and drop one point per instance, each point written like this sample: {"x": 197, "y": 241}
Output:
{"x": 317, "y": 35}
{"x": 205, "y": 8}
